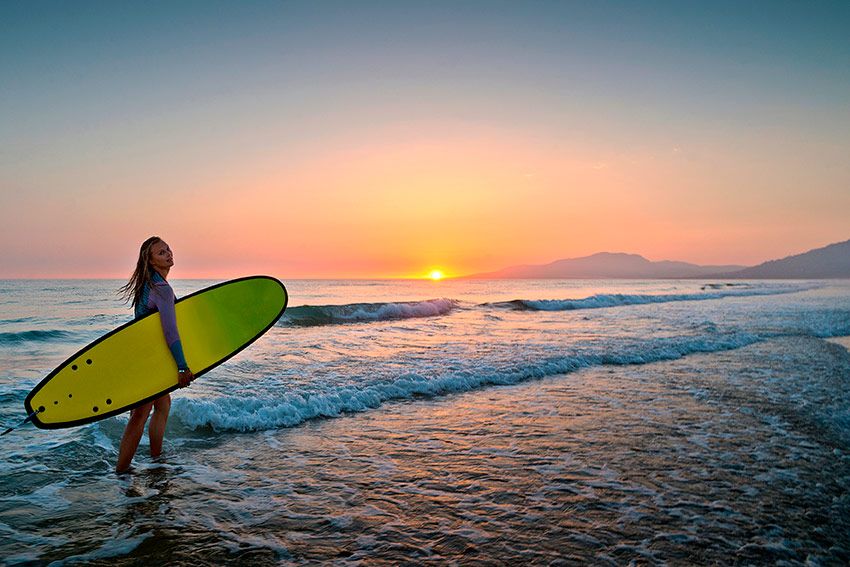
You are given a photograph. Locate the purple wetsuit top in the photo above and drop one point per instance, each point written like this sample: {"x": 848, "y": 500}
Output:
{"x": 160, "y": 297}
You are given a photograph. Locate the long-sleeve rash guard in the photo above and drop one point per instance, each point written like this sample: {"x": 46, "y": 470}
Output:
{"x": 160, "y": 297}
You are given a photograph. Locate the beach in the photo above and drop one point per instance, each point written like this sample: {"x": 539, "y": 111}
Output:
{"x": 568, "y": 283}
{"x": 553, "y": 423}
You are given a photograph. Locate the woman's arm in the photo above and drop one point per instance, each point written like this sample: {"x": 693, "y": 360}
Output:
{"x": 163, "y": 297}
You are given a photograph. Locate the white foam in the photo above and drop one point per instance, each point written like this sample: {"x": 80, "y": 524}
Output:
{"x": 309, "y": 315}
{"x": 240, "y": 413}
{"x": 618, "y": 300}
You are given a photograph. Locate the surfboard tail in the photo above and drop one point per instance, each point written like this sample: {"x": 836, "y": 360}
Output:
{"x": 29, "y": 417}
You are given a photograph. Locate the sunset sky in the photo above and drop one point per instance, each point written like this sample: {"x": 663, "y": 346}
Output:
{"x": 388, "y": 139}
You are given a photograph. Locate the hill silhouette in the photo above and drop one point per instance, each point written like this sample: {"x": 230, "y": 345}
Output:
{"x": 832, "y": 261}
{"x": 608, "y": 265}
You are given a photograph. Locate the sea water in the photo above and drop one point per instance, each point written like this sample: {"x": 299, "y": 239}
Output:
{"x": 468, "y": 422}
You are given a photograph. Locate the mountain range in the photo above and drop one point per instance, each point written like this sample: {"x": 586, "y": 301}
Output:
{"x": 831, "y": 261}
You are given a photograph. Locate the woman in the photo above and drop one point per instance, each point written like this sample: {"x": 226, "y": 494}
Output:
{"x": 149, "y": 292}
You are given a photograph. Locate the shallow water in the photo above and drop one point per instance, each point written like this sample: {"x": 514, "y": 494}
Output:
{"x": 670, "y": 430}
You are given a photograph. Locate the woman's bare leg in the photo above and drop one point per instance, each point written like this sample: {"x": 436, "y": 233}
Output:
{"x": 156, "y": 429}
{"x": 132, "y": 436}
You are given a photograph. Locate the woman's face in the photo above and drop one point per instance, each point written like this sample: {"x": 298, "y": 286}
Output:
{"x": 161, "y": 256}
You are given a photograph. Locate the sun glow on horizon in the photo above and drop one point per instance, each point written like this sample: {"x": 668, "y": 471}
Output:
{"x": 387, "y": 163}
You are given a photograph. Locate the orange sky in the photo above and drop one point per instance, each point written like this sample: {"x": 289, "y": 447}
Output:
{"x": 290, "y": 141}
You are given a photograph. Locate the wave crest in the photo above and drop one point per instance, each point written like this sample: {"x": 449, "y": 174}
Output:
{"x": 620, "y": 299}
{"x": 240, "y": 413}
{"x": 313, "y": 315}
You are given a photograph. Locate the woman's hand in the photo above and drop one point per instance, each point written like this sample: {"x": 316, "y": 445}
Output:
{"x": 184, "y": 377}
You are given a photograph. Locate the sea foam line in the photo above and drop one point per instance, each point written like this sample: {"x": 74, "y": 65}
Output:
{"x": 618, "y": 299}
{"x": 314, "y": 315}
{"x": 239, "y": 413}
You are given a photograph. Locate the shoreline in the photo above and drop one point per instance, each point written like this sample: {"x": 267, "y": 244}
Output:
{"x": 694, "y": 460}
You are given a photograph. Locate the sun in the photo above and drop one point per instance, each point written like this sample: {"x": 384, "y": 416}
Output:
{"x": 436, "y": 275}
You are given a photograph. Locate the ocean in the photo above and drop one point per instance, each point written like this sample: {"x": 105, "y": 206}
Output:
{"x": 467, "y": 422}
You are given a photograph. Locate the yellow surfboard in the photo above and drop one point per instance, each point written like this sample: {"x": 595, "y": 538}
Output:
{"x": 132, "y": 364}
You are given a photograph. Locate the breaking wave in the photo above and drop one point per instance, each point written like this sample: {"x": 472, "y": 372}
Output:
{"x": 619, "y": 300}
{"x": 313, "y": 315}
{"x": 240, "y": 413}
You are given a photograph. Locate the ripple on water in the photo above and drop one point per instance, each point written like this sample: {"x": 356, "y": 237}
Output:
{"x": 698, "y": 460}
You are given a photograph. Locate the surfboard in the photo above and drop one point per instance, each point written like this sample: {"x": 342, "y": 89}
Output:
{"x": 132, "y": 365}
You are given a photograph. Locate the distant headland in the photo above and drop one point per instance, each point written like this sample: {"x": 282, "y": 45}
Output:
{"x": 831, "y": 261}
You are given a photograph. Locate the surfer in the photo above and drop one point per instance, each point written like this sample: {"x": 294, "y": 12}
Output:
{"x": 149, "y": 291}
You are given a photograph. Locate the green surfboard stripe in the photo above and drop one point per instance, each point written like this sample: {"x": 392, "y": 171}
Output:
{"x": 132, "y": 364}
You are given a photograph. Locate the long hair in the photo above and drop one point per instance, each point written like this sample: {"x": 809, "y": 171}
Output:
{"x": 143, "y": 274}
